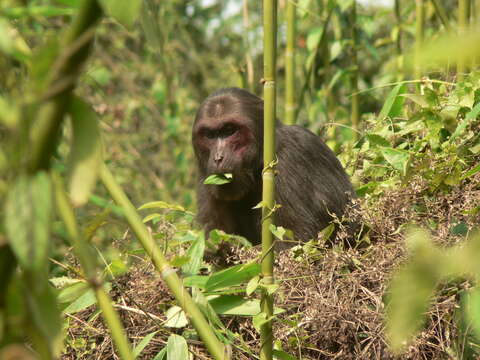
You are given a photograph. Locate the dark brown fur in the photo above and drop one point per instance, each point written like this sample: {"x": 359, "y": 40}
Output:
{"x": 227, "y": 136}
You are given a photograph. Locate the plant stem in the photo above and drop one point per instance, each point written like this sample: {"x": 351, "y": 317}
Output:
{"x": 269, "y": 91}
{"x": 248, "y": 55}
{"x": 169, "y": 275}
{"x": 398, "y": 18}
{"x": 419, "y": 33}
{"x": 462, "y": 27}
{"x": 354, "y": 111}
{"x": 290, "y": 105}
{"x": 65, "y": 211}
{"x": 63, "y": 75}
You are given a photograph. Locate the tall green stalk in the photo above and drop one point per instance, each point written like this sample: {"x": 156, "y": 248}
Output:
{"x": 462, "y": 27}
{"x": 248, "y": 56}
{"x": 419, "y": 33}
{"x": 169, "y": 275}
{"x": 398, "y": 42}
{"x": 65, "y": 211}
{"x": 442, "y": 14}
{"x": 269, "y": 93}
{"x": 354, "y": 110}
{"x": 290, "y": 105}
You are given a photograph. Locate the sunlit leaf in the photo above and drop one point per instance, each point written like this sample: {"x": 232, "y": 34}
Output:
{"x": 125, "y": 12}
{"x": 86, "y": 154}
{"x": 282, "y": 355}
{"x": 176, "y": 317}
{"x": 161, "y": 205}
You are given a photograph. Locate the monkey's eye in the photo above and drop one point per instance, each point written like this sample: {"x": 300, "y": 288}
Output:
{"x": 210, "y": 134}
{"x": 228, "y": 130}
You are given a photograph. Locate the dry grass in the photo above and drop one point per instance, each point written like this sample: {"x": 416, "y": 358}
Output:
{"x": 334, "y": 299}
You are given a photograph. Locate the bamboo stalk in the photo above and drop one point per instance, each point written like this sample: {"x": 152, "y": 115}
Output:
{"x": 63, "y": 76}
{"x": 248, "y": 55}
{"x": 169, "y": 275}
{"x": 269, "y": 91}
{"x": 354, "y": 110}
{"x": 79, "y": 244}
{"x": 290, "y": 105}
{"x": 442, "y": 14}
{"x": 462, "y": 27}
{"x": 398, "y": 42}
{"x": 419, "y": 33}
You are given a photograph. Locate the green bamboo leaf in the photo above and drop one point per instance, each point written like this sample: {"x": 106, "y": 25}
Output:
{"x": 471, "y": 172}
{"x": 86, "y": 154}
{"x": 232, "y": 276}
{"x": 27, "y": 220}
{"x": 237, "y": 305}
{"x": 161, "y": 205}
{"x": 394, "y": 102}
{"x": 375, "y": 139}
{"x": 125, "y": 12}
{"x": 162, "y": 355}
{"x": 177, "y": 348}
{"x": 142, "y": 344}
{"x": 195, "y": 255}
{"x": 84, "y": 301}
{"x": 72, "y": 292}
{"x": 218, "y": 179}
{"x": 397, "y": 158}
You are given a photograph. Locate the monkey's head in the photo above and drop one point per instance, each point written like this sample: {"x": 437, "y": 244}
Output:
{"x": 227, "y": 137}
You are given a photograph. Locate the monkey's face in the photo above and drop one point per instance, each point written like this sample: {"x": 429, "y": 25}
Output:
{"x": 227, "y": 145}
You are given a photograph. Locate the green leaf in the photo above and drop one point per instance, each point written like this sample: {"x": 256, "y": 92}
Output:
{"x": 218, "y": 179}
{"x": 397, "y": 158}
{"x": 125, "y": 12}
{"x": 195, "y": 254}
{"x": 253, "y": 285}
{"x": 161, "y": 205}
{"x": 27, "y": 220}
{"x": 259, "y": 320}
{"x": 162, "y": 354}
{"x": 84, "y": 301}
{"x": 394, "y": 102}
{"x": 12, "y": 43}
{"x": 45, "y": 316}
{"x": 232, "y": 276}
{"x": 176, "y": 317}
{"x": 237, "y": 305}
{"x": 86, "y": 154}
{"x": 375, "y": 140}
{"x": 471, "y": 115}
{"x": 279, "y": 231}
{"x": 471, "y": 172}
{"x": 282, "y": 355}
{"x": 177, "y": 348}
{"x": 72, "y": 292}
{"x": 418, "y": 99}
{"x": 142, "y": 344}
{"x": 459, "y": 229}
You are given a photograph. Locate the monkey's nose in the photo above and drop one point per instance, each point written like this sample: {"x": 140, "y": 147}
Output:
{"x": 218, "y": 159}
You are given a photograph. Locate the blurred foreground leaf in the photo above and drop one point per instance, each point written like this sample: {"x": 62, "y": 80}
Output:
{"x": 86, "y": 153}
{"x": 125, "y": 12}
{"x": 27, "y": 220}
